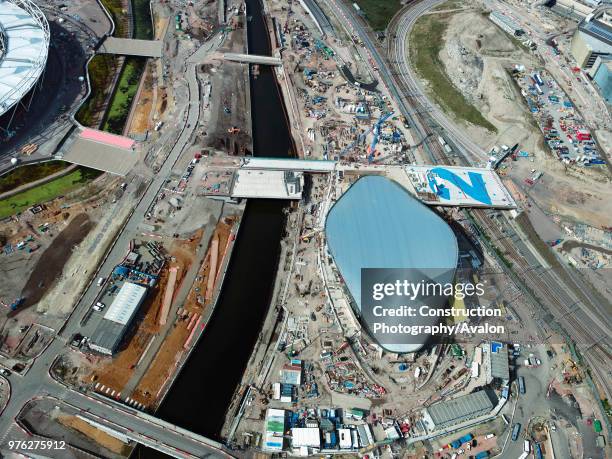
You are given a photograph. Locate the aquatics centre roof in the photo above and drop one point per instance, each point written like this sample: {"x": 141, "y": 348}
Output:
{"x": 378, "y": 224}
{"x": 24, "y": 34}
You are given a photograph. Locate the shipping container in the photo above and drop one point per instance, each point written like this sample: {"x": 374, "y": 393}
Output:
{"x": 597, "y": 425}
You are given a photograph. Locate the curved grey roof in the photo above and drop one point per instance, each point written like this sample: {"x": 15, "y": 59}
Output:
{"x": 378, "y": 224}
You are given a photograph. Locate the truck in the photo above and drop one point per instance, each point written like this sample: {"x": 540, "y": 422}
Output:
{"x": 516, "y": 429}
{"x": 538, "y": 79}
{"x": 537, "y": 451}
{"x": 482, "y": 455}
{"x": 460, "y": 441}
{"x": 526, "y": 446}
{"x": 521, "y": 382}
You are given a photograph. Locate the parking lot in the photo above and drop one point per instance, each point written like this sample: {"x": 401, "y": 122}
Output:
{"x": 564, "y": 129}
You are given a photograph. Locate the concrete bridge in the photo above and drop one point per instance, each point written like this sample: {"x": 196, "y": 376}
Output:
{"x": 252, "y": 59}
{"x": 126, "y": 423}
{"x": 132, "y": 47}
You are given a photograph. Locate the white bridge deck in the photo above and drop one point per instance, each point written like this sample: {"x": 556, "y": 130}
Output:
{"x": 433, "y": 185}
{"x": 252, "y": 59}
{"x": 132, "y": 47}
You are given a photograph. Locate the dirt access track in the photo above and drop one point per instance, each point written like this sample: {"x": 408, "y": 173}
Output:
{"x": 51, "y": 263}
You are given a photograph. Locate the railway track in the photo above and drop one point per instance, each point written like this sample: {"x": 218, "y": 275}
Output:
{"x": 549, "y": 292}
{"x": 590, "y": 334}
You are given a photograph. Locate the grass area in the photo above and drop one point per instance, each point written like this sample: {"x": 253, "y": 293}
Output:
{"x": 28, "y": 174}
{"x": 426, "y": 41}
{"x": 46, "y": 192}
{"x": 125, "y": 90}
{"x": 449, "y": 5}
{"x": 378, "y": 13}
{"x": 143, "y": 27}
{"x": 102, "y": 70}
{"x": 116, "y": 10}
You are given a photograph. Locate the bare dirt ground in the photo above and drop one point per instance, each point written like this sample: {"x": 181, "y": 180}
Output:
{"x": 140, "y": 120}
{"x": 54, "y": 258}
{"x": 229, "y": 113}
{"x": 116, "y": 372}
{"x": 169, "y": 354}
{"x": 476, "y": 56}
{"x": 99, "y": 437}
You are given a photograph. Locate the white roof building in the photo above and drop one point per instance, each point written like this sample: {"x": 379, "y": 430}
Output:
{"x": 116, "y": 321}
{"x": 309, "y": 437}
{"x": 126, "y": 303}
{"x": 24, "y": 46}
{"x": 344, "y": 439}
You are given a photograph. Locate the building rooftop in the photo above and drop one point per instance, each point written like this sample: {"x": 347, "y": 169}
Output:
{"x": 459, "y": 186}
{"x": 499, "y": 361}
{"x": 275, "y": 429}
{"x": 110, "y": 331}
{"x": 460, "y": 409}
{"x": 267, "y": 184}
{"x": 306, "y": 437}
{"x": 378, "y": 224}
{"x": 125, "y": 303}
{"x": 599, "y": 27}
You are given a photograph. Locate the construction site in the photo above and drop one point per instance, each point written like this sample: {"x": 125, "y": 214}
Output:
{"x": 152, "y": 346}
{"x": 206, "y": 280}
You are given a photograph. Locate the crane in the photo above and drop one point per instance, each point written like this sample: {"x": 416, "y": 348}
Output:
{"x": 372, "y": 147}
{"x": 363, "y": 135}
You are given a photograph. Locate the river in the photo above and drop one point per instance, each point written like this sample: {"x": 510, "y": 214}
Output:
{"x": 199, "y": 398}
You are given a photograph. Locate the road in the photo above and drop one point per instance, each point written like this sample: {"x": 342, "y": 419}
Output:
{"x": 591, "y": 105}
{"x": 37, "y": 381}
{"x": 585, "y": 320}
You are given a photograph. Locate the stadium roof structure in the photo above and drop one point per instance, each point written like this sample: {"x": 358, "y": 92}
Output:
{"x": 24, "y": 47}
{"x": 378, "y": 224}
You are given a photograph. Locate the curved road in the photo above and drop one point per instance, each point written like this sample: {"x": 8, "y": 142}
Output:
{"x": 401, "y": 26}
{"x": 37, "y": 382}
{"x": 588, "y": 325}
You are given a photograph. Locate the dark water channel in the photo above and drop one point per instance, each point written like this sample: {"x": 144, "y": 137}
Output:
{"x": 201, "y": 394}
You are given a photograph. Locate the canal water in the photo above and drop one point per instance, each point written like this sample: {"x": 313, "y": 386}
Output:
{"x": 202, "y": 392}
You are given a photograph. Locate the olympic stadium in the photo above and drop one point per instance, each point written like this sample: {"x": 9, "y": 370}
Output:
{"x": 376, "y": 223}
{"x": 24, "y": 48}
